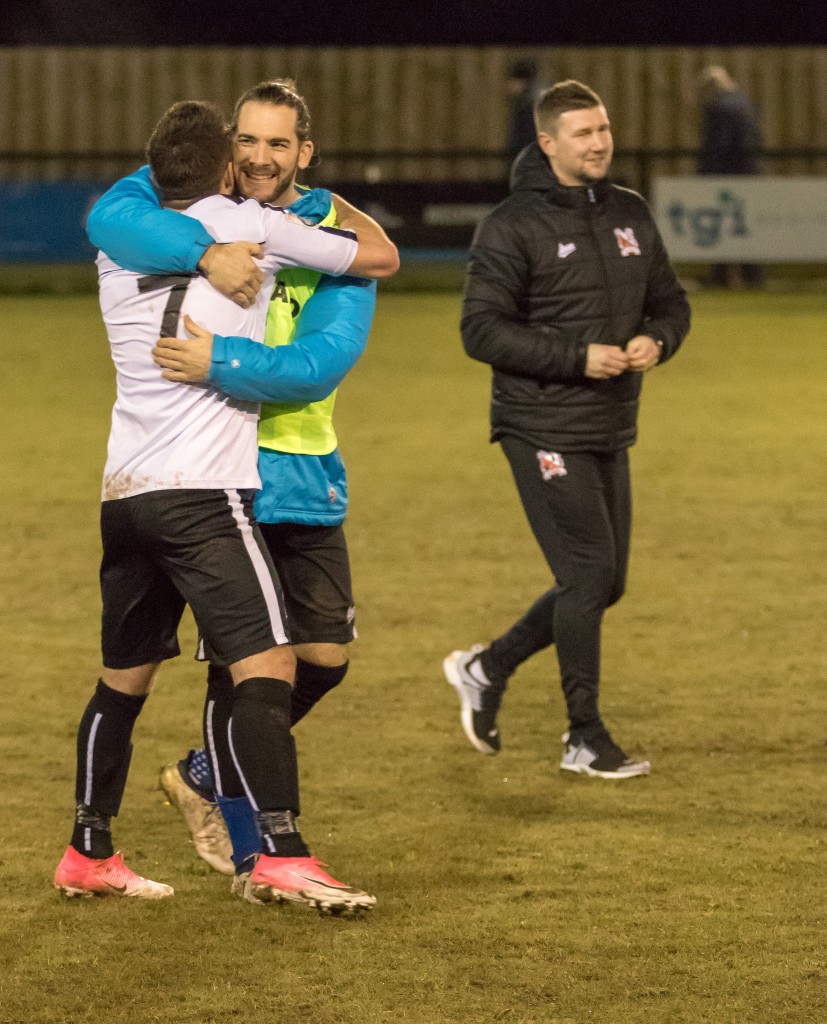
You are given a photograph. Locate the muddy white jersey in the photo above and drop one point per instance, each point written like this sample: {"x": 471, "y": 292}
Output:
{"x": 171, "y": 435}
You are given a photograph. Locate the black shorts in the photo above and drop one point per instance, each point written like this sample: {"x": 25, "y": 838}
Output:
{"x": 314, "y": 569}
{"x": 165, "y": 549}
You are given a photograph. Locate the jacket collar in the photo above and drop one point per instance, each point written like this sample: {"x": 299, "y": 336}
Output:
{"x": 531, "y": 172}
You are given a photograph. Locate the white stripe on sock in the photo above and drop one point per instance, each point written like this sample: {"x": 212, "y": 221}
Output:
{"x": 216, "y": 775}
{"x": 266, "y": 839}
{"x": 90, "y": 750}
{"x": 238, "y": 768}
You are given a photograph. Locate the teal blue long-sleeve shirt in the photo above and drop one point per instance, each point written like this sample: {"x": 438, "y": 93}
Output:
{"x": 325, "y": 347}
{"x": 130, "y": 226}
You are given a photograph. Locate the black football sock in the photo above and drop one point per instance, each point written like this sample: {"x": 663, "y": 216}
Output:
{"x": 104, "y": 750}
{"x": 280, "y": 834}
{"x": 92, "y": 835}
{"x": 265, "y": 756}
{"x": 218, "y": 708}
{"x": 312, "y": 683}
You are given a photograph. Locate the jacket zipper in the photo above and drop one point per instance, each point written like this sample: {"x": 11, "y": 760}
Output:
{"x": 592, "y": 211}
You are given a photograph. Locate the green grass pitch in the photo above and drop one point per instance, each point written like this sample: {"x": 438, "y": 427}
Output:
{"x": 506, "y": 892}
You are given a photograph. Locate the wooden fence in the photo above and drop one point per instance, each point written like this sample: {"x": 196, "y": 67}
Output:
{"x": 398, "y": 101}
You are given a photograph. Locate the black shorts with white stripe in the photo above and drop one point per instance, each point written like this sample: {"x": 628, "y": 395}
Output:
{"x": 165, "y": 549}
{"x": 314, "y": 568}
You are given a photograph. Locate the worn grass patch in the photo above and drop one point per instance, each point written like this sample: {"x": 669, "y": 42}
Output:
{"x": 506, "y": 892}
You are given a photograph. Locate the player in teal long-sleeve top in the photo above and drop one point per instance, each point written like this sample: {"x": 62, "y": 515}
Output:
{"x": 317, "y": 331}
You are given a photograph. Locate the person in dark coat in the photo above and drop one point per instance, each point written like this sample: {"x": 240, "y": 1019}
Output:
{"x": 570, "y": 298}
{"x": 521, "y": 88}
{"x": 730, "y": 143}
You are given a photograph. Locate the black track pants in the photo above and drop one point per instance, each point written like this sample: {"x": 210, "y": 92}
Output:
{"x": 578, "y": 505}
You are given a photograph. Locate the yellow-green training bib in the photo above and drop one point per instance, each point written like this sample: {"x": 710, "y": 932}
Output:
{"x": 292, "y": 426}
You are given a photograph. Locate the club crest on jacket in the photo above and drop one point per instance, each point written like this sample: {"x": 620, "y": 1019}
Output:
{"x": 626, "y": 242}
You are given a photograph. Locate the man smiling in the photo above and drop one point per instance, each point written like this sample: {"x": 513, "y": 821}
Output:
{"x": 324, "y": 324}
{"x": 177, "y": 528}
{"x": 579, "y": 145}
{"x": 570, "y": 298}
{"x": 271, "y": 145}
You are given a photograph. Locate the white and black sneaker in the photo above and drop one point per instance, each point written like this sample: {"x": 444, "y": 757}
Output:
{"x": 479, "y": 697}
{"x": 600, "y": 757}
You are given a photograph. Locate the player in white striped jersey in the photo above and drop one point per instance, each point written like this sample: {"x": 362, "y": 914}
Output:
{"x": 177, "y": 526}
{"x": 164, "y": 435}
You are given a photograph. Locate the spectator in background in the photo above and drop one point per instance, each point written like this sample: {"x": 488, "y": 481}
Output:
{"x": 730, "y": 143}
{"x": 522, "y": 91}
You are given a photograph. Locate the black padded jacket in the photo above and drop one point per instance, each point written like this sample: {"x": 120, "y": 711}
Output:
{"x": 553, "y": 269}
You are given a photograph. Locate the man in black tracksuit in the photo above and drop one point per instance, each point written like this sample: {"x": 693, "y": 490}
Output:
{"x": 570, "y": 298}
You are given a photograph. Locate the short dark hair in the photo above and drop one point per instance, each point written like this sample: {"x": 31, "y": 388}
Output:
{"x": 280, "y": 92}
{"x": 559, "y": 99}
{"x": 189, "y": 150}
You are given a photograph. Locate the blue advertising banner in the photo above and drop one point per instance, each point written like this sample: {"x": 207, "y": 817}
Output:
{"x": 42, "y": 222}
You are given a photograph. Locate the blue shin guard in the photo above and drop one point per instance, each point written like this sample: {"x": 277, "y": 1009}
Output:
{"x": 241, "y": 825}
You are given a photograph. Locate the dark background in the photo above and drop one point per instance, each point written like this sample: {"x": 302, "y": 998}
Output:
{"x": 420, "y": 22}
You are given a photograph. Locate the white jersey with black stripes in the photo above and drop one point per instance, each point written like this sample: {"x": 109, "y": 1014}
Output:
{"x": 169, "y": 435}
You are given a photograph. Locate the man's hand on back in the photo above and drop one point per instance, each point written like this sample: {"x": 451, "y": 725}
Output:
{"x": 230, "y": 270}
{"x": 604, "y": 361}
{"x": 187, "y": 361}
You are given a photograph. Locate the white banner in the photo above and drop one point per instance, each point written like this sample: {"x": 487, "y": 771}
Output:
{"x": 736, "y": 219}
